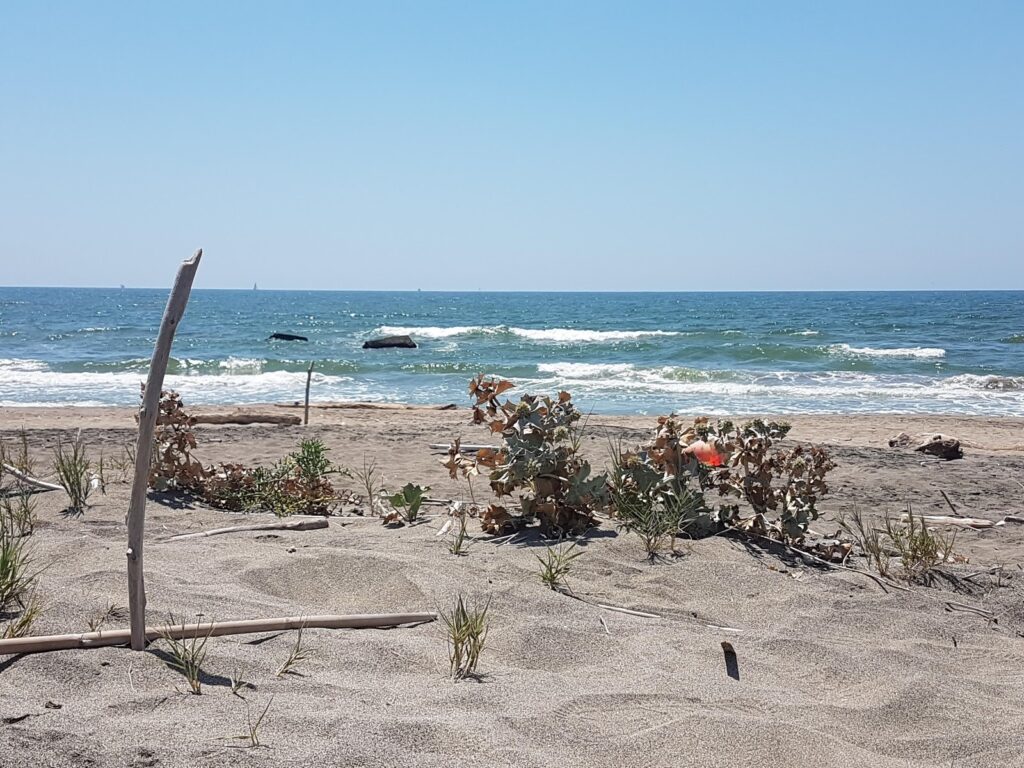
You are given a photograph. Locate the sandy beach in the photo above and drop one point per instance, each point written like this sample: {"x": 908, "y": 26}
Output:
{"x": 833, "y": 671}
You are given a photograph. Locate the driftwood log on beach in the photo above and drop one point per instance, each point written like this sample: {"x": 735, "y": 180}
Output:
{"x": 242, "y": 417}
{"x": 292, "y": 525}
{"x": 250, "y": 626}
{"x": 372, "y": 406}
{"x": 136, "y": 517}
{"x": 34, "y": 482}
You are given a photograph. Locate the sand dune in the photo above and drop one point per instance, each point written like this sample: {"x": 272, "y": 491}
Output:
{"x": 832, "y": 670}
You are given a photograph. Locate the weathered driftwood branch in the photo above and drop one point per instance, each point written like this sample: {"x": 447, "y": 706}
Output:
{"x": 35, "y": 482}
{"x": 179, "y": 631}
{"x": 373, "y": 406}
{"x": 144, "y": 446}
{"x": 308, "y": 524}
{"x": 309, "y": 379}
{"x": 242, "y": 417}
{"x": 960, "y": 521}
{"x": 463, "y": 448}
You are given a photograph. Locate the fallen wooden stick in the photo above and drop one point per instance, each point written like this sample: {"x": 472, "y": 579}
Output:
{"x": 35, "y": 482}
{"x": 463, "y": 448}
{"x": 962, "y": 522}
{"x": 242, "y": 417}
{"x": 630, "y": 611}
{"x": 180, "y": 631}
{"x": 309, "y": 524}
{"x": 373, "y": 406}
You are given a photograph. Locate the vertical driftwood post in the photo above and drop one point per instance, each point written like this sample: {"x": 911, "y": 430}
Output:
{"x": 144, "y": 447}
{"x": 309, "y": 377}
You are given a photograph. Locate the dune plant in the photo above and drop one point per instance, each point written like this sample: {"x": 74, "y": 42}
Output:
{"x": 372, "y": 482}
{"x": 466, "y": 626}
{"x": 16, "y": 569}
{"x": 555, "y": 565}
{"x": 187, "y": 655}
{"x": 21, "y": 626}
{"x": 296, "y": 655}
{"x": 539, "y": 460}
{"x": 174, "y": 469}
{"x": 98, "y": 620}
{"x": 869, "y": 539}
{"x": 73, "y": 470}
{"x": 17, "y": 511}
{"x": 406, "y": 503}
{"x": 459, "y": 540}
{"x": 252, "y": 734}
{"x": 920, "y": 550}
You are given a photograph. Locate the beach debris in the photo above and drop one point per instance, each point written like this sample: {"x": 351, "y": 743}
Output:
{"x": 308, "y": 524}
{"x": 732, "y": 665}
{"x": 136, "y": 517}
{"x": 27, "y": 479}
{"x": 246, "y": 417}
{"x": 976, "y": 523}
{"x": 372, "y": 406}
{"x": 387, "y": 342}
{"x": 944, "y": 447}
{"x": 287, "y": 337}
{"x": 208, "y": 629}
{"x": 902, "y": 440}
{"x": 309, "y": 381}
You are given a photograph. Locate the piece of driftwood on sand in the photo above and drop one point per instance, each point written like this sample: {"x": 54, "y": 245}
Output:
{"x": 240, "y": 417}
{"x": 960, "y": 521}
{"x": 309, "y": 380}
{"x": 34, "y": 482}
{"x": 214, "y": 629}
{"x": 308, "y": 524}
{"x": 136, "y": 518}
{"x": 373, "y": 406}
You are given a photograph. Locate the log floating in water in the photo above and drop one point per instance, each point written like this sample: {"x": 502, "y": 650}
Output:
{"x": 401, "y": 342}
{"x": 309, "y": 524}
{"x": 179, "y": 631}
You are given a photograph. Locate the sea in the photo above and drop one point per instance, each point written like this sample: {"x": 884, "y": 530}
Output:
{"x": 643, "y": 353}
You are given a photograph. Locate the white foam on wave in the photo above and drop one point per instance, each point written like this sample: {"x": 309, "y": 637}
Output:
{"x": 907, "y": 352}
{"x": 557, "y": 335}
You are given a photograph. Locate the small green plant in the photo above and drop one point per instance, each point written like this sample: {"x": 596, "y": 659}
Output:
{"x": 17, "y": 511}
{"x": 869, "y": 539}
{"x": 238, "y": 683}
{"x": 16, "y": 576}
{"x": 407, "y": 503}
{"x": 98, "y": 620}
{"x": 73, "y": 470}
{"x": 296, "y": 656}
{"x": 372, "y": 482}
{"x": 252, "y": 734}
{"x": 920, "y": 550}
{"x": 187, "y": 654}
{"x": 22, "y": 625}
{"x": 459, "y": 540}
{"x": 466, "y": 627}
{"x": 556, "y": 564}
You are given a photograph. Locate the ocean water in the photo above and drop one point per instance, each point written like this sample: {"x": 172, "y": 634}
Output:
{"x": 953, "y": 352}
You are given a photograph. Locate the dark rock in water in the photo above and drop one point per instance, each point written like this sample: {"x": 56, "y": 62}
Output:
{"x": 403, "y": 342}
{"x": 947, "y": 448}
{"x": 288, "y": 337}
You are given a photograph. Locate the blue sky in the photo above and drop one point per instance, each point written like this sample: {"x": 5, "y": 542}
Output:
{"x": 526, "y": 145}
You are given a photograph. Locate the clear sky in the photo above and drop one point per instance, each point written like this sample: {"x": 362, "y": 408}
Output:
{"x": 519, "y": 145}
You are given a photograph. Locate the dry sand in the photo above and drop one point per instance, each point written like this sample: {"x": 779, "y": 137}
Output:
{"x": 832, "y": 670}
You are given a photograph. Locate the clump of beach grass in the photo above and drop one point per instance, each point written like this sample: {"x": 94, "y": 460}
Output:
{"x": 920, "y": 550}
{"x": 252, "y": 734}
{"x": 187, "y": 655}
{"x": 466, "y": 626}
{"x": 372, "y": 481}
{"x": 296, "y": 656}
{"x": 73, "y": 470}
{"x": 555, "y": 565}
{"x": 18, "y": 512}
{"x": 16, "y": 562}
{"x": 21, "y": 626}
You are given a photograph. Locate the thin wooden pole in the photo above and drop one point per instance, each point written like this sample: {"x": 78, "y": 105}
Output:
{"x": 35, "y": 482}
{"x": 309, "y": 378}
{"x": 210, "y": 629}
{"x": 144, "y": 446}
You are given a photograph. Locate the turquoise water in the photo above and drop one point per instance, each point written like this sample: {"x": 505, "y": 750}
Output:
{"x": 956, "y": 352}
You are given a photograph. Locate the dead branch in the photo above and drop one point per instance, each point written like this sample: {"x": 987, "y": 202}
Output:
{"x": 179, "y": 631}
{"x": 35, "y": 482}
{"x": 308, "y": 524}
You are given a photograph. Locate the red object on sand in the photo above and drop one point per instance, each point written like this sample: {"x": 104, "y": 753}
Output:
{"x": 705, "y": 453}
